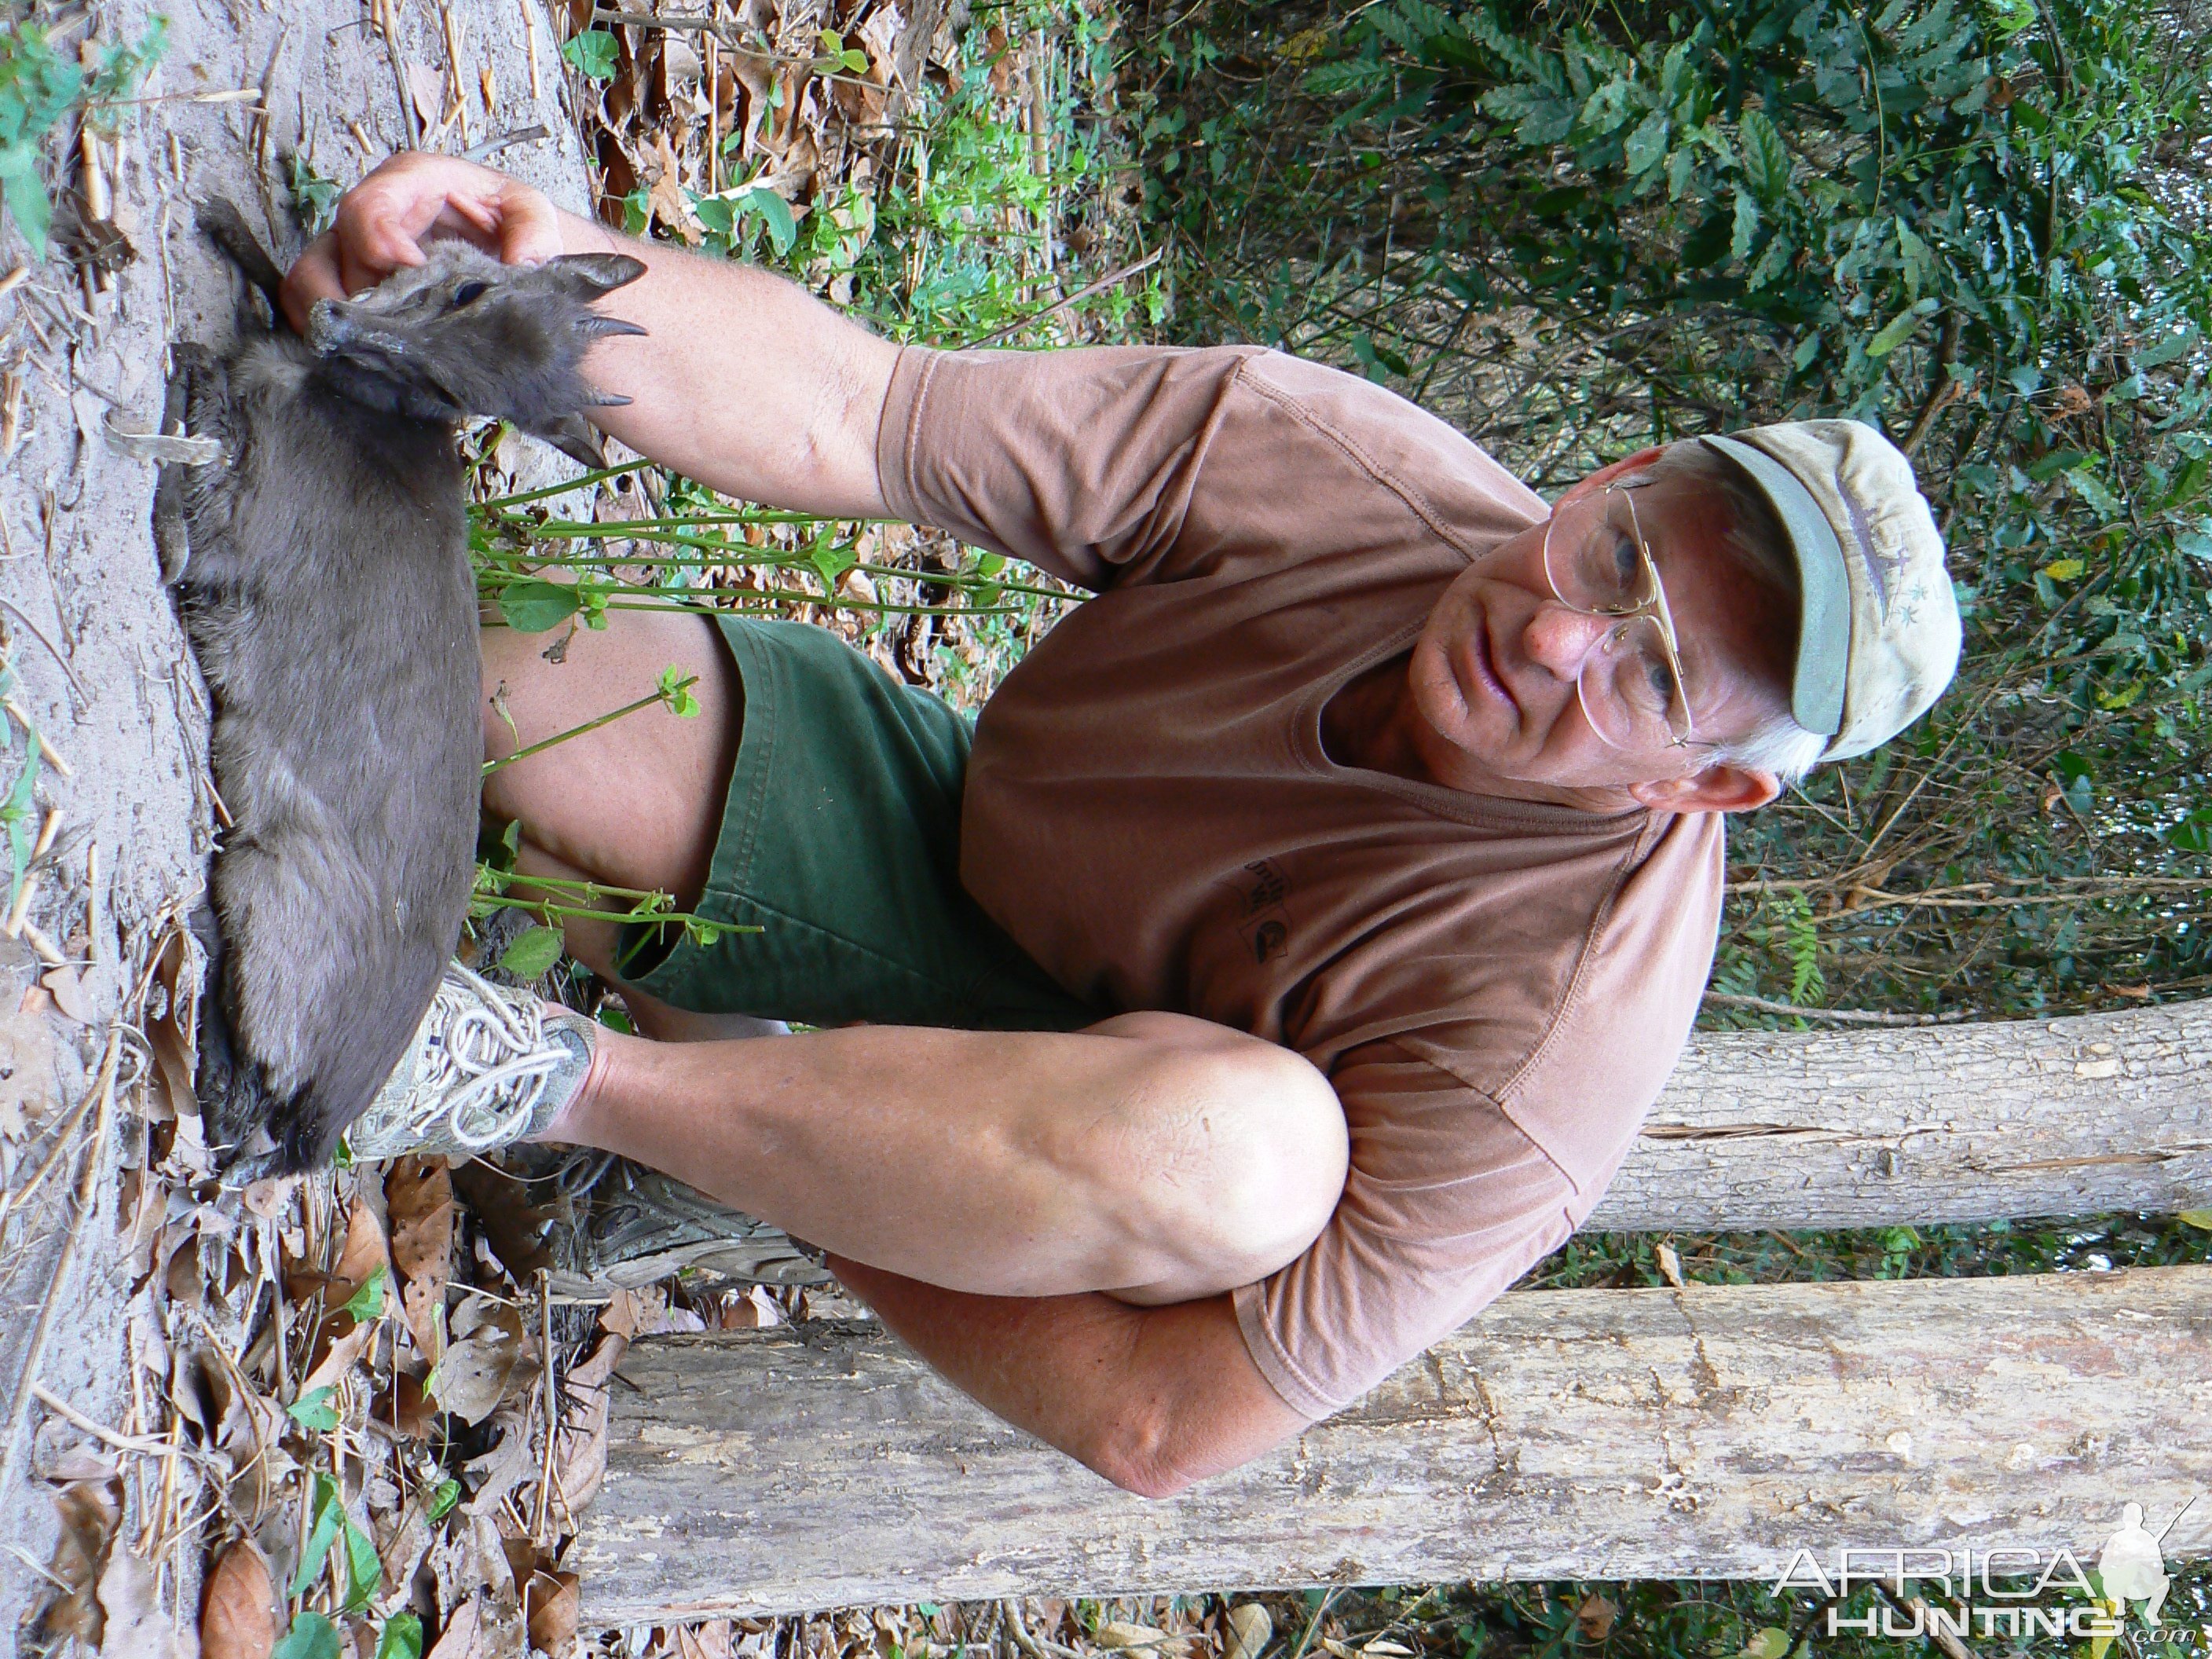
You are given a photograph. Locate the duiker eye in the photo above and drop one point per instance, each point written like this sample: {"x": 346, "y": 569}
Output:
{"x": 469, "y": 293}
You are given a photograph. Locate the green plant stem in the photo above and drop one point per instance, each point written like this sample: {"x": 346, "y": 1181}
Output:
{"x": 492, "y": 766}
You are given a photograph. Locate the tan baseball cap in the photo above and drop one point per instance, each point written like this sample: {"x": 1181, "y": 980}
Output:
{"x": 1879, "y": 638}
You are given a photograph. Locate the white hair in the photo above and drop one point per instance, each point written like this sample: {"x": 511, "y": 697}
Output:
{"x": 1755, "y": 536}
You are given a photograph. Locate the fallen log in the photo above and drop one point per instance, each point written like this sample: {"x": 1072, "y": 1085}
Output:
{"x": 2062, "y": 1118}
{"x": 1709, "y": 1432}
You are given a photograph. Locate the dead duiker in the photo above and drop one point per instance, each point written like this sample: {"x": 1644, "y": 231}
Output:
{"x": 321, "y": 568}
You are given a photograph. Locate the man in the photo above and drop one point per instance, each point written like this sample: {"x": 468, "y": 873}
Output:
{"x": 1288, "y": 967}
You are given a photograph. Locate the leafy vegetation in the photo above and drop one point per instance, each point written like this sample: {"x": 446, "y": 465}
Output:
{"x": 1576, "y": 229}
{"x": 38, "y": 87}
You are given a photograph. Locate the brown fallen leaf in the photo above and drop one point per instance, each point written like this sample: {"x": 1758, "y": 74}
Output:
{"x": 129, "y": 1596}
{"x": 418, "y": 1203}
{"x": 551, "y": 1601}
{"x": 30, "y": 1084}
{"x": 463, "y": 1637}
{"x": 583, "y": 1440}
{"x": 1594, "y": 1618}
{"x": 237, "y": 1619}
{"x": 1250, "y": 1629}
{"x": 68, "y": 992}
{"x": 1116, "y": 1634}
{"x": 90, "y": 1513}
{"x": 339, "y": 1358}
{"x": 471, "y": 1379}
{"x": 364, "y": 1251}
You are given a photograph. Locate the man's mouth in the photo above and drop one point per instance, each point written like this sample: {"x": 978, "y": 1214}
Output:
{"x": 1478, "y": 670}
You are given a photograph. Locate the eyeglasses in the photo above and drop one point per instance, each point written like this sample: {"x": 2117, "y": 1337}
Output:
{"x": 1599, "y": 564}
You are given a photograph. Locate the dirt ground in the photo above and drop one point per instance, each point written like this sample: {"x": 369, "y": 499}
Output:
{"x": 98, "y": 664}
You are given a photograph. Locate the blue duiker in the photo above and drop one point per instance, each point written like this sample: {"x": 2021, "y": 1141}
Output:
{"x": 321, "y": 568}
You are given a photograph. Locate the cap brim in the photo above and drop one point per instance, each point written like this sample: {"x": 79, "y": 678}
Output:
{"x": 1824, "y": 629}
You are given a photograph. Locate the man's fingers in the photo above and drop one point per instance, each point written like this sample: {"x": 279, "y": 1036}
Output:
{"x": 529, "y": 228}
{"x": 314, "y": 276}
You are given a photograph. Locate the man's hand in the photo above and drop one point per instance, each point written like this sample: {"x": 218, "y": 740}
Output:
{"x": 383, "y": 220}
{"x": 741, "y": 379}
{"x": 1151, "y": 1398}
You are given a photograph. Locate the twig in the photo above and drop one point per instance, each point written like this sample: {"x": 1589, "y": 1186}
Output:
{"x": 1836, "y": 1015}
{"x": 1081, "y": 294}
{"x": 53, "y": 756}
{"x": 491, "y": 147}
{"x": 551, "y": 1404}
{"x": 491, "y": 766}
{"x": 14, "y": 279}
{"x": 76, "y": 684}
{"x": 87, "y": 1184}
{"x": 411, "y": 123}
{"x": 1946, "y": 391}
{"x": 130, "y": 1443}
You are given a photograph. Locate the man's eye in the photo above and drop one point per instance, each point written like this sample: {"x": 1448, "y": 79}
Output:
{"x": 469, "y": 293}
{"x": 1661, "y": 679}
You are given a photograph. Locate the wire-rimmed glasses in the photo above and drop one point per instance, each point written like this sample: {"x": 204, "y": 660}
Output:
{"x": 1599, "y": 564}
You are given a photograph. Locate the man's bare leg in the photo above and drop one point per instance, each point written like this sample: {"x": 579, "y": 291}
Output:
{"x": 1155, "y": 1156}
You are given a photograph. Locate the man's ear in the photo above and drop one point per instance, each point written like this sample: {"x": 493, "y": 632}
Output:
{"x": 1721, "y": 787}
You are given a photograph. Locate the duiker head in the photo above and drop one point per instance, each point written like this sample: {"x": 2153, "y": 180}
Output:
{"x": 462, "y": 334}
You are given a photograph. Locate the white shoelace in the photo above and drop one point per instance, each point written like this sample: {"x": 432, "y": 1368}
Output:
{"x": 482, "y": 1047}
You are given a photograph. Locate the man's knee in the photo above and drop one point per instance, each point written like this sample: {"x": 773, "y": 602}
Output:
{"x": 1238, "y": 1166}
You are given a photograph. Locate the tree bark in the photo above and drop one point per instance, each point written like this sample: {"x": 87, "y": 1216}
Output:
{"x": 2059, "y": 1117}
{"x": 1709, "y": 1432}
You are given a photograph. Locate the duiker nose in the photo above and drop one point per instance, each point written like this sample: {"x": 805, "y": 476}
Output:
{"x": 1560, "y": 640}
{"x": 329, "y": 323}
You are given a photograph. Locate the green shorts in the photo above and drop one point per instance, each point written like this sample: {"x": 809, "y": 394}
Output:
{"x": 841, "y": 842}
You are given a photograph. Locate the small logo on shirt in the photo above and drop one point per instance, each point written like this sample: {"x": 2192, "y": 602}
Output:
{"x": 1264, "y": 923}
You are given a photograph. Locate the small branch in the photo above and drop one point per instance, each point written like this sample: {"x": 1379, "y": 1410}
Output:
{"x": 1081, "y": 293}
{"x": 492, "y": 766}
{"x": 1835, "y": 1016}
{"x": 1946, "y": 391}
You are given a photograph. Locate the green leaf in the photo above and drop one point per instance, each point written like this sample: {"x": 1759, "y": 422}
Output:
{"x": 1647, "y": 145}
{"x": 447, "y": 1494}
{"x": 594, "y": 54}
{"x": 368, "y": 1302}
{"x": 775, "y": 212}
{"x": 533, "y": 604}
{"x": 1746, "y": 233}
{"x": 313, "y": 1411}
{"x": 27, "y": 201}
{"x": 364, "y": 1572}
{"x": 2200, "y": 1219}
{"x": 1769, "y": 1641}
{"x": 330, "y": 1516}
{"x": 311, "y": 1637}
{"x": 401, "y": 1637}
{"x": 1896, "y": 331}
{"x": 676, "y": 692}
{"x": 533, "y": 954}
{"x": 854, "y": 60}
{"x": 1765, "y": 157}
{"x": 2063, "y": 570}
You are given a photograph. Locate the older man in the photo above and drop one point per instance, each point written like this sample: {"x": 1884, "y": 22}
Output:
{"x": 1287, "y": 966}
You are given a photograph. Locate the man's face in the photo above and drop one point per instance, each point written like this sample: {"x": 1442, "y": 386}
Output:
{"x": 1492, "y": 678}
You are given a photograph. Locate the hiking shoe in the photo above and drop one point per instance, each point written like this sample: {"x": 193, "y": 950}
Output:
{"x": 635, "y": 1225}
{"x": 488, "y": 1066}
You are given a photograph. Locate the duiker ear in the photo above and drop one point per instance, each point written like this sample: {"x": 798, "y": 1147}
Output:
{"x": 594, "y": 274}
{"x": 573, "y": 436}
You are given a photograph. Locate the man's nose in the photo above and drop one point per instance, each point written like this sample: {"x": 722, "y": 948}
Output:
{"x": 1560, "y": 639}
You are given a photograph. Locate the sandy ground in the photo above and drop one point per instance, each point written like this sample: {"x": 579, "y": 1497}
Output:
{"x": 116, "y": 695}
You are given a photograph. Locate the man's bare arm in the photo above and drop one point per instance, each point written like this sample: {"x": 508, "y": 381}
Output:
{"x": 743, "y": 382}
{"x": 1151, "y": 1398}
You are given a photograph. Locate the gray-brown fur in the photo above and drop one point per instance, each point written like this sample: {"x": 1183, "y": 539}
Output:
{"x": 323, "y": 574}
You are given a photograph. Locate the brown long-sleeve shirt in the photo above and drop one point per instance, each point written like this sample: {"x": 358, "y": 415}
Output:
{"x": 1496, "y": 989}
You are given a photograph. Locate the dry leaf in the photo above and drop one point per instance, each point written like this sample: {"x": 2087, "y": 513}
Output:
{"x": 583, "y": 1440}
{"x": 1670, "y": 1265}
{"x": 30, "y": 1084}
{"x": 1116, "y": 1634}
{"x": 237, "y": 1619}
{"x": 1594, "y": 1618}
{"x": 463, "y": 1637}
{"x": 471, "y": 1379}
{"x": 339, "y": 1359}
{"x": 129, "y": 1595}
{"x": 1384, "y": 1645}
{"x": 549, "y": 1607}
{"x": 90, "y": 1512}
{"x": 418, "y": 1202}
{"x": 362, "y": 1254}
{"x": 1250, "y": 1630}
{"x": 68, "y": 992}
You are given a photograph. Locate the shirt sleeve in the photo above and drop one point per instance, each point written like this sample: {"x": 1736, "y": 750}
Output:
{"x": 1114, "y": 465}
{"x": 1446, "y": 1205}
